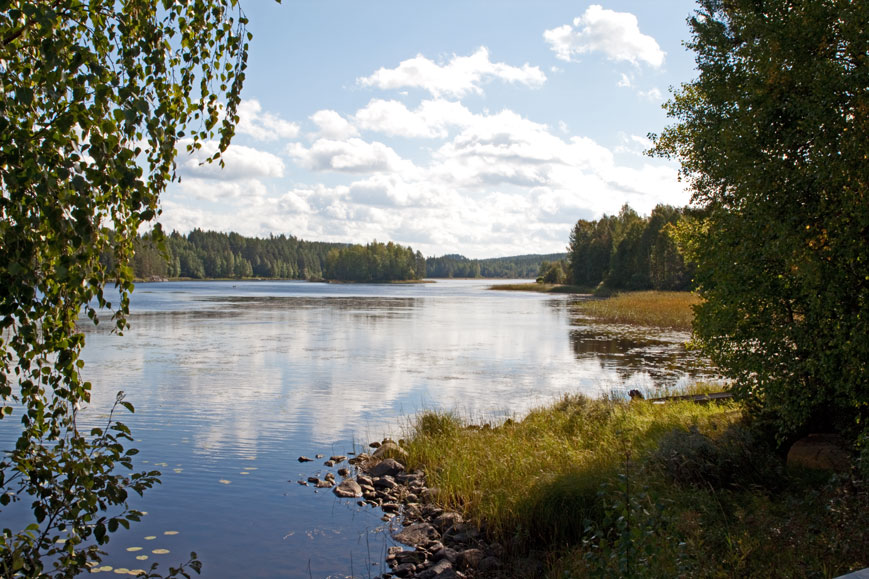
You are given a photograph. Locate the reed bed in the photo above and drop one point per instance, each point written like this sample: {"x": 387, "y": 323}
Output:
{"x": 673, "y": 310}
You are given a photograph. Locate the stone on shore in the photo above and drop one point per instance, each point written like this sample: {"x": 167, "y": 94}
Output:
{"x": 821, "y": 452}
{"x": 386, "y": 467}
{"x": 390, "y": 449}
{"x": 348, "y": 489}
{"x": 417, "y": 535}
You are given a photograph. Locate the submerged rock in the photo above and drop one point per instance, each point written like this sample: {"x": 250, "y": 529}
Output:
{"x": 417, "y": 535}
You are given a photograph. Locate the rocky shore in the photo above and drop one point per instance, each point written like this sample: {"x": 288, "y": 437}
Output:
{"x": 439, "y": 544}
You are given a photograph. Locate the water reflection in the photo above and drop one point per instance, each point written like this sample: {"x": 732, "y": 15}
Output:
{"x": 233, "y": 378}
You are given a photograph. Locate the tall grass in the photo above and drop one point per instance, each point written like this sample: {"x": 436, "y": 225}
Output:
{"x": 612, "y": 488}
{"x": 649, "y": 308}
{"x": 548, "y": 288}
{"x": 536, "y": 481}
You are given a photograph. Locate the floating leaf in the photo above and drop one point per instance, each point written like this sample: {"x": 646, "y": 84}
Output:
{"x": 170, "y": 532}
{"x": 142, "y": 557}
{"x": 160, "y": 551}
{"x": 244, "y": 472}
{"x": 150, "y": 537}
{"x": 177, "y": 470}
{"x": 223, "y": 481}
{"x": 136, "y": 572}
{"x": 122, "y": 571}
{"x": 134, "y": 549}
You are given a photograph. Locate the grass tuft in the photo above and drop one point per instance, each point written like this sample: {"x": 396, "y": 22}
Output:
{"x": 651, "y": 308}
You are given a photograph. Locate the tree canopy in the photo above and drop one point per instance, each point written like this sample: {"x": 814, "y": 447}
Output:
{"x": 96, "y": 98}
{"x": 773, "y": 137}
{"x": 374, "y": 262}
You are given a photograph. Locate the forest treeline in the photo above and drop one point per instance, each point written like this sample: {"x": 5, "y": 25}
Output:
{"x": 626, "y": 252}
{"x": 622, "y": 252}
{"x": 211, "y": 254}
{"x": 374, "y": 262}
{"x": 516, "y": 267}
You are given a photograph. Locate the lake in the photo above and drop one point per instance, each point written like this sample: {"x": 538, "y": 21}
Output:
{"x": 233, "y": 381}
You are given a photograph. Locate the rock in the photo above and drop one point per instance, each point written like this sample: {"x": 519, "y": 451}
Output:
{"x": 404, "y": 570}
{"x": 443, "y": 569}
{"x": 324, "y": 484}
{"x": 348, "y": 489}
{"x": 470, "y": 559}
{"x": 374, "y": 444}
{"x": 415, "y": 557}
{"x": 489, "y": 564}
{"x": 390, "y": 449}
{"x": 385, "y": 467}
{"x": 302, "y": 482}
{"x": 365, "y": 480}
{"x": 330, "y": 477}
{"x": 338, "y": 458}
{"x": 318, "y": 456}
{"x": 329, "y": 463}
{"x": 390, "y": 507}
{"x": 447, "y": 520}
{"x": 343, "y": 472}
{"x": 820, "y": 451}
{"x": 313, "y": 480}
{"x": 385, "y": 482}
{"x": 416, "y": 535}
{"x": 305, "y": 459}
{"x": 450, "y": 555}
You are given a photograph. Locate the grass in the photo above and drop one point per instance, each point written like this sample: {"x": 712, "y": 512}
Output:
{"x": 648, "y": 308}
{"x": 612, "y": 488}
{"x": 552, "y": 288}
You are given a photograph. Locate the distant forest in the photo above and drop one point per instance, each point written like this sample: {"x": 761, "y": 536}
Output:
{"x": 211, "y": 254}
{"x": 620, "y": 252}
{"x": 516, "y": 267}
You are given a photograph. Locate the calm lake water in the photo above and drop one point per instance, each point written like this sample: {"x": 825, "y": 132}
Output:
{"x": 233, "y": 381}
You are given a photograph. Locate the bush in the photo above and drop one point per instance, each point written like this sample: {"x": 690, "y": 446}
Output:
{"x": 738, "y": 458}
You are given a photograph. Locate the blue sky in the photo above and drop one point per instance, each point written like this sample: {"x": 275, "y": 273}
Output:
{"x": 476, "y": 127}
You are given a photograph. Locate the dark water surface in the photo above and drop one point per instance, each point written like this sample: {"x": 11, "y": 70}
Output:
{"x": 233, "y": 381}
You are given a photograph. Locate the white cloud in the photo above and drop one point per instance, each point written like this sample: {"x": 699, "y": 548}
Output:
{"x": 432, "y": 119}
{"x": 351, "y": 156}
{"x": 460, "y": 76}
{"x": 616, "y": 34}
{"x": 653, "y": 94}
{"x": 625, "y": 81}
{"x": 240, "y": 162}
{"x": 263, "y": 126}
{"x": 332, "y": 125}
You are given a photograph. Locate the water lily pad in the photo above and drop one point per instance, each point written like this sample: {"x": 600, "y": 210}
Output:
{"x": 150, "y": 537}
{"x": 223, "y": 481}
{"x": 177, "y": 470}
{"x": 160, "y": 551}
{"x": 122, "y": 571}
{"x": 170, "y": 532}
{"x": 136, "y": 572}
{"x": 134, "y": 549}
{"x": 142, "y": 557}
{"x": 244, "y": 472}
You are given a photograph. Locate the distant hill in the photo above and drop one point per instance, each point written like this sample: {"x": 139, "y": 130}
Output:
{"x": 513, "y": 267}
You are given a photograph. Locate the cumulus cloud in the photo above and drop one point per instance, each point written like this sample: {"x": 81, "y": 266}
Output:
{"x": 240, "y": 162}
{"x": 262, "y": 126}
{"x": 332, "y": 125}
{"x": 432, "y": 119}
{"x": 458, "y": 77}
{"x": 349, "y": 156}
{"x": 616, "y": 34}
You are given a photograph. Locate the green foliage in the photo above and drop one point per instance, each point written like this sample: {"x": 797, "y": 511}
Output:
{"x": 375, "y": 262}
{"x": 772, "y": 138}
{"x": 629, "y": 252}
{"x": 552, "y": 272}
{"x": 96, "y": 97}
{"x": 652, "y": 308}
{"x": 211, "y": 254}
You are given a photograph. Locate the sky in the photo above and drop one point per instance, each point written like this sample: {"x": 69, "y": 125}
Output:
{"x": 480, "y": 127}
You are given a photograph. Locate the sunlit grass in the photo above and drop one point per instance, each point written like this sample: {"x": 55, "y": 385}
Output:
{"x": 537, "y": 479}
{"x": 648, "y": 308}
